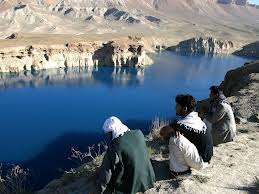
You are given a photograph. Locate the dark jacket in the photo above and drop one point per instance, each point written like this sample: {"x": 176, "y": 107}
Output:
{"x": 202, "y": 140}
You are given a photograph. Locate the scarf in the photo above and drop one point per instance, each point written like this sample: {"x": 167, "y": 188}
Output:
{"x": 216, "y": 101}
{"x": 114, "y": 125}
{"x": 193, "y": 122}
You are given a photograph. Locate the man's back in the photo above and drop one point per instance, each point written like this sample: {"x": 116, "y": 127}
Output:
{"x": 223, "y": 123}
{"x": 134, "y": 172}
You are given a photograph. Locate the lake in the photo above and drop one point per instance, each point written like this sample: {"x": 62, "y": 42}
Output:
{"x": 43, "y": 114}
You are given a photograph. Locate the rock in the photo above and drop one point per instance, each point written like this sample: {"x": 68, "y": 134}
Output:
{"x": 133, "y": 20}
{"x": 254, "y": 118}
{"x": 153, "y": 19}
{"x": 241, "y": 87}
{"x": 119, "y": 53}
{"x": 206, "y": 46}
{"x": 250, "y": 50}
{"x": 69, "y": 10}
{"x": 19, "y": 6}
{"x": 239, "y": 78}
{"x": 113, "y": 54}
{"x": 14, "y": 36}
{"x": 116, "y": 14}
{"x": 240, "y": 120}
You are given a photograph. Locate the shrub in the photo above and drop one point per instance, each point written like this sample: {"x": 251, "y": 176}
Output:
{"x": 14, "y": 181}
{"x": 157, "y": 124}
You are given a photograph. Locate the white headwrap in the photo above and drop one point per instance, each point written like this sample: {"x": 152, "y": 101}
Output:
{"x": 114, "y": 125}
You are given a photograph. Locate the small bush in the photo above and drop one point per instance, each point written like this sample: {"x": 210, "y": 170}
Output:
{"x": 89, "y": 161}
{"x": 157, "y": 124}
{"x": 14, "y": 181}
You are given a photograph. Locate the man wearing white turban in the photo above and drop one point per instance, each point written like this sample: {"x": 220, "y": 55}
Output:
{"x": 126, "y": 167}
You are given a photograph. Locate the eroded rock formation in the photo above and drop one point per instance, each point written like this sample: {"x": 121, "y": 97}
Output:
{"x": 207, "y": 46}
{"x": 118, "y": 53}
{"x": 250, "y": 50}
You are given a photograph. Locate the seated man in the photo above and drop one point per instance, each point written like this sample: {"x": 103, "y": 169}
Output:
{"x": 126, "y": 166}
{"x": 190, "y": 145}
{"x": 221, "y": 116}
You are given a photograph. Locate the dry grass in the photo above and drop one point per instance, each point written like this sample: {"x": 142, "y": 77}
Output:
{"x": 89, "y": 163}
{"x": 14, "y": 182}
{"x": 157, "y": 124}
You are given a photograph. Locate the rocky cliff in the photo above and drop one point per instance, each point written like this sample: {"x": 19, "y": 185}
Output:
{"x": 250, "y": 50}
{"x": 207, "y": 46}
{"x": 241, "y": 86}
{"x": 115, "y": 53}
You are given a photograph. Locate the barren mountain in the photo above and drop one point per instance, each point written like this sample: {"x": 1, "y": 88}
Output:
{"x": 170, "y": 20}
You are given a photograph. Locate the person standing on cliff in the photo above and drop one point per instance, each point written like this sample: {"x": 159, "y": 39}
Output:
{"x": 190, "y": 144}
{"x": 221, "y": 116}
{"x": 126, "y": 167}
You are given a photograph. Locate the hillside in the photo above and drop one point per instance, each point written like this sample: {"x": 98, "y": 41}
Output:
{"x": 172, "y": 21}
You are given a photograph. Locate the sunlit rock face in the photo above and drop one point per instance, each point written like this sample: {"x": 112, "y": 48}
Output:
{"x": 207, "y": 46}
{"x": 34, "y": 58}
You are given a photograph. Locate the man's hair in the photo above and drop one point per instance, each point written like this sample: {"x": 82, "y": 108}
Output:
{"x": 215, "y": 89}
{"x": 186, "y": 100}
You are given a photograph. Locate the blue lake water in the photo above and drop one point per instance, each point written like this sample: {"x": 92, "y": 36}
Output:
{"x": 44, "y": 114}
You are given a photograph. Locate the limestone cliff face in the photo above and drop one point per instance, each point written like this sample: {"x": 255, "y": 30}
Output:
{"x": 250, "y": 50}
{"x": 38, "y": 57}
{"x": 207, "y": 46}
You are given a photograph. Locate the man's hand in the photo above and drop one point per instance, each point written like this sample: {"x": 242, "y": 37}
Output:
{"x": 177, "y": 134}
{"x": 166, "y": 132}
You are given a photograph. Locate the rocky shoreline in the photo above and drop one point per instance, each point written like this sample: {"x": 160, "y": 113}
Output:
{"x": 131, "y": 52}
{"x": 205, "y": 46}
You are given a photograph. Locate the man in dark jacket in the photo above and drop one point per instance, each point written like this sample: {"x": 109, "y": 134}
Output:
{"x": 126, "y": 167}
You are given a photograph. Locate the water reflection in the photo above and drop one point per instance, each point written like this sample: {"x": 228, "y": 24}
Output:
{"x": 76, "y": 76}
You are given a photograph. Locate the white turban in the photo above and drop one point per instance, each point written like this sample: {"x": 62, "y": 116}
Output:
{"x": 114, "y": 125}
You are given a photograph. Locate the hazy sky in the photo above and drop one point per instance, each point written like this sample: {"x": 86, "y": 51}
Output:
{"x": 254, "y": 1}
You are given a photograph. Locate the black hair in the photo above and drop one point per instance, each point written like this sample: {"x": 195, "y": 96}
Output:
{"x": 186, "y": 100}
{"x": 215, "y": 89}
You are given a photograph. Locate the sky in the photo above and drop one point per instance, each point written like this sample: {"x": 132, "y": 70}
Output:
{"x": 254, "y": 1}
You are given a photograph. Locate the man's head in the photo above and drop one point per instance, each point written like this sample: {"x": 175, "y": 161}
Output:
{"x": 184, "y": 104}
{"x": 215, "y": 91}
{"x": 114, "y": 128}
